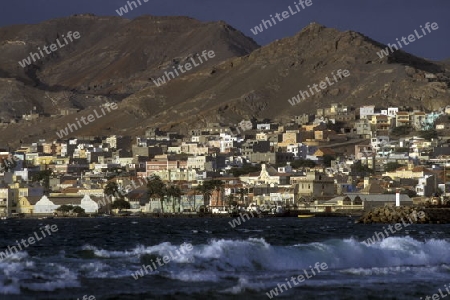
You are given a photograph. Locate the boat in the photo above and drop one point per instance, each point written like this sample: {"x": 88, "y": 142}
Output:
{"x": 12, "y": 216}
{"x": 306, "y": 216}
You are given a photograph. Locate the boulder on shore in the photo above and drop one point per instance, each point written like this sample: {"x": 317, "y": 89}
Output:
{"x": 409, "y": 214}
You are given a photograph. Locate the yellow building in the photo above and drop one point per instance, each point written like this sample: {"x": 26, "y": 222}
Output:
{"x": 25, "y": 204}
{"x": 314, "y": 184}
{"x": 43, "y": 160}
{"x": 290, "y": 137}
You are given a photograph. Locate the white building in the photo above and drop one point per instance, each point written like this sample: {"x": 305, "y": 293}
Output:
{"x": 112, "y": 141}
{"x": 264, "y": 126}
{"x": 425, "y": 186}
{"x": 45, "y": 206}
{"x": 226, "y": 142}
{"x": 390, "y": 112}
{"x": 365, "y": 111}
{"x": 89, "y": 205}
{"x": 196, "y": 162}
{"x": 379, "y": 142}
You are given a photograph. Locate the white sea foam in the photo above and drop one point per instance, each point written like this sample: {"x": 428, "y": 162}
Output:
{"x": 253, "y": 264}
{"x": 257, "y": 254}
{"x": 55, "y": 277}
{"x": 244, "y": 284}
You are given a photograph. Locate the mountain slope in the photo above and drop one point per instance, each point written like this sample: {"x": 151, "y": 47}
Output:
{"x": 257, "y": 84}
{"x": 260, "y": 84}
{"x": 113, "y": 56}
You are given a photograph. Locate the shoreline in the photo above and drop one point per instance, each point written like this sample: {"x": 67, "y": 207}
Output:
{"x": 293, "y": 214}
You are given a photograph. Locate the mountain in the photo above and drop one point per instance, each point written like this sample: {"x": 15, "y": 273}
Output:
{"x": 260, "y": 84}
{"x": 113, "y": 57}
{"x": 242, "y": 81}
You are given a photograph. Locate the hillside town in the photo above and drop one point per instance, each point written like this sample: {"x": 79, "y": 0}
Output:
{"x": 339, "y": 160}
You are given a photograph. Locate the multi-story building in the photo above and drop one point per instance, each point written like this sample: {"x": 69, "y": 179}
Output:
{"x": 379, "y": 122}
{"x": 193, "y": 148}
{"x": 333, "y": 110}
{"x": 379, "y": 142}
{"x": 290, "y": 137}
{"x": 164, "y": 163}
{"x": 365, "y": 111}
{"x": 426, "y": 186}
{"x": 7, "y": 203}
{"x": 267, "y": 175}
{"x": 197, "y": 162}
{"x": 314, "y": 184}
{"x": 345, "y": 117}
{"x": 363, "y": 128}
{"x": 403, "y": 118}
{"x": 302, "y": 119}
{"x": 390, "y": 112}
{"x": 300, "y": 150}
{"x": 362, "y": 151}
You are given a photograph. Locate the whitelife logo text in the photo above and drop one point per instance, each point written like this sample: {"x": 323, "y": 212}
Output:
{"x": 281, "y": 17}
{"x": 297, "y": 280}
{"x": 398, "y": 226}
{"x": 411, "y": 39}
{"x": 323, "y": 85}
{"x": 53, "y": 47}
{"x": 31, "y": 240}
{"x": 184, "y": 249}
{"x": 90, "y": 118}
{"x": 131, "y": 187}
{"x": 235, "y": 222}
{"x": 124, "y": 9}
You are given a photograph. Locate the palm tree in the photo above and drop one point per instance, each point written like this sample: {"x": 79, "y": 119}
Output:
{"x": 156, "y": 188}
{"x": 111, "y": 189}
{"x": 218, "y": 186}
{"x": 242, "y": 193}
{"x": 44, "y": 178}
{"x": 174, "y": 192}
{"x": 170, "y": 196}
{"x": 178, "y": 193}
{"x": 214, "y": 184}
{"x": 204, "y": 190}
{"x": 196, "y": 189}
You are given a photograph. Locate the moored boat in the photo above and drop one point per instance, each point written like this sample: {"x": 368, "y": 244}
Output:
{"x": 306, "y": 216}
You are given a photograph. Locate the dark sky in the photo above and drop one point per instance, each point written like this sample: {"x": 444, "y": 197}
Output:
{"x": 382, "y": 20}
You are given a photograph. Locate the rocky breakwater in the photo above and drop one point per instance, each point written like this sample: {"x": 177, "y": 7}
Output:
{"x": 438, "y": 215}
{"x": 419, "y": 215}
{"x": 391, "y": 214}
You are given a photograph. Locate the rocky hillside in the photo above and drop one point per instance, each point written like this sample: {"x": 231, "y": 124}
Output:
{"x": 117, "y": 59}
{"x": 260, "y": 84}
{"x": 113, "y": 57}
